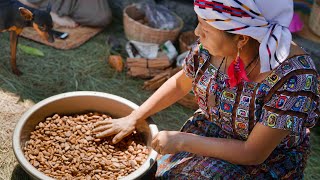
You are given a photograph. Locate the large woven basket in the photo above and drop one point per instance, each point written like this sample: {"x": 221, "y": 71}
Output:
{"x": 137, "y": 31}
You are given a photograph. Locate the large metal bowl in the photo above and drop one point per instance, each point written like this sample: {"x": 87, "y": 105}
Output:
{"x": 75, "y": 103}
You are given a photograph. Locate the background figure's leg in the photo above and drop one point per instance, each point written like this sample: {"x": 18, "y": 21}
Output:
{"x": 64, "y": 21}
{"x": 83, "y": 14}
{"x": 25, "y": 2}
{"x": 13, "y": 47}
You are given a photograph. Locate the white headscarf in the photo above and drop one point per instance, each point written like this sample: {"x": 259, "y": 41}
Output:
{"x": 264, "y": 20}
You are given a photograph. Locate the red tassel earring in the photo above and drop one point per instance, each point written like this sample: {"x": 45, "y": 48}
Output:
{"x": 237, "y": 72}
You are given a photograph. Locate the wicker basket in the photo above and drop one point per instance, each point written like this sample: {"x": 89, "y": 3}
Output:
{"x": 186, "y": 39}
{"x": 314, "y": 20}
{"x": 137, "y": 31}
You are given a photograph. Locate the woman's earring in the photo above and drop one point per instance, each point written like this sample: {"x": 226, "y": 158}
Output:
{"x": 236, "y": 71}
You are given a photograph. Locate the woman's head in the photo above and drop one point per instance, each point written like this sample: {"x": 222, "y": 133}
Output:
{"x": 221, "y": 43}
{"x": 265, "y": 21}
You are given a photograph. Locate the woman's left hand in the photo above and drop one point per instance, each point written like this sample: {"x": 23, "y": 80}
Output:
{"x": 167, "y": 142}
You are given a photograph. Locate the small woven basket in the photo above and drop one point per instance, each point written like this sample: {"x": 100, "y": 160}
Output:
{"x": 314, "y": 20}
{"x": 186, "y": 39}
{"x": 137, "y": 31}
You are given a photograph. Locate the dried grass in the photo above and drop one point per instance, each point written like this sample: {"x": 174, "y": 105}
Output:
{"x": 10, "y": 111}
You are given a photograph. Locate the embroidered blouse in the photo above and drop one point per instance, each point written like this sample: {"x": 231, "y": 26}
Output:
{"x": 287, "y": 99}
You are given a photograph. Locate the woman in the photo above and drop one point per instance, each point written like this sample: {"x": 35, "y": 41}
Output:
{"x": 257, "y": 93}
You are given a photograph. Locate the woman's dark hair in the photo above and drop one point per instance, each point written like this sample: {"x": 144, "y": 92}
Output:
{"x": 229, "y": 34}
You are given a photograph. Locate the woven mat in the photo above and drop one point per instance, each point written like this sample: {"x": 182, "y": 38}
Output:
{"x": 77, "y": 36}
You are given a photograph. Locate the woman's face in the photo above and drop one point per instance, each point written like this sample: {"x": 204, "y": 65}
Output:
{"x": 217, "y": 42}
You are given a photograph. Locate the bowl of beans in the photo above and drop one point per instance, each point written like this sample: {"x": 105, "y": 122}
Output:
{"x": 54, "y": 139}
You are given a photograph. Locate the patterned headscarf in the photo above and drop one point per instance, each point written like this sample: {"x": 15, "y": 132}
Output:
{"x": 264, "y": 20}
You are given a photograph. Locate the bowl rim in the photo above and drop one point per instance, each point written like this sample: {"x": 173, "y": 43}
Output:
{"x": 31, "y": 170}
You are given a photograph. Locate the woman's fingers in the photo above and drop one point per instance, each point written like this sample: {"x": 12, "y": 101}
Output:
{"x": 154, "y": 144}
{"x": 111, "y": 127}
{"x": 106, "y": 133}
{"x": 119, "y": 137}
{"x": 102, "y": 128}
{"x": 99, "y": 123}
{"x": 157, "y": 148}
{"x": 154, "y": 141}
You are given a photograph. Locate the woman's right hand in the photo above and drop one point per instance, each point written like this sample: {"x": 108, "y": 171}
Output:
{"x": 121, "y": 128}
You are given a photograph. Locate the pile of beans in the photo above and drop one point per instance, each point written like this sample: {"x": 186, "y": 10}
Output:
{"x": 65, "y": 148}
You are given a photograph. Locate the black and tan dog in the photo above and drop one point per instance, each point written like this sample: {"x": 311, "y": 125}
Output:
{"x": 14, "y": 16}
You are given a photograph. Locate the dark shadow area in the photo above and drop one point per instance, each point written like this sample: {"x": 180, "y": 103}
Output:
{"x": 150, "y": 175}
{"x": 18, "y": 173}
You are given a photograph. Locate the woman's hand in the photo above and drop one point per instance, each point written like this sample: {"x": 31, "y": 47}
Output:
{"x": 168, "y": 142}
{"x": 121, "y": 128}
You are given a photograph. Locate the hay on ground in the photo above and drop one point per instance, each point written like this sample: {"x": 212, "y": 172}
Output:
{"x": 11, "y": 110}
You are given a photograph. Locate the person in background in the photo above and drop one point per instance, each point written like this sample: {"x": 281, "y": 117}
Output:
{"x": 72, "y": 13}
{"x": 257, "y": 91}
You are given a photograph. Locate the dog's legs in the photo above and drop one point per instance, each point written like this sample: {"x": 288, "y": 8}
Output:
{"x": 13, "y": 47}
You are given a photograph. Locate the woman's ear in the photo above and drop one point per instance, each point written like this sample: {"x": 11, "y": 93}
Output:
{"x": 242, "y": 41}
